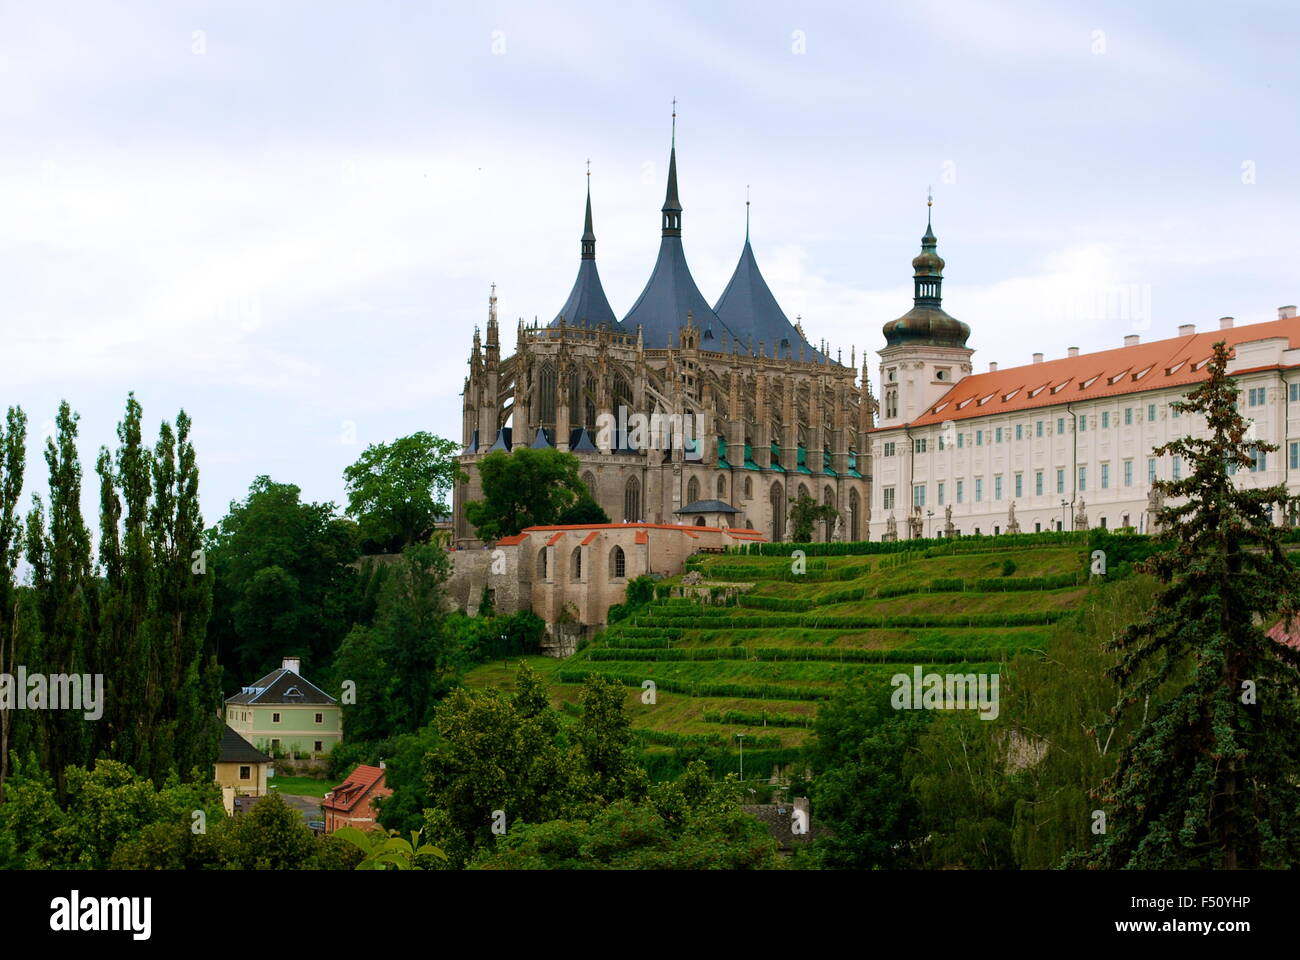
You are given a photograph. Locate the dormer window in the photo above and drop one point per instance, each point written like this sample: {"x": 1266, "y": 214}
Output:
{"x": 293, "y": 692}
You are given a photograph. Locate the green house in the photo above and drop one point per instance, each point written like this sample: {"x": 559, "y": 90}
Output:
{"x": 285, "y": 713}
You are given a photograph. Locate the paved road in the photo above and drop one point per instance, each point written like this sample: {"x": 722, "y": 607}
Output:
{"x": 309, "y": 807}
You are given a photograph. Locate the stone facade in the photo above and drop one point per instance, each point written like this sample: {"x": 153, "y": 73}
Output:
{"x": 574, "y": 574}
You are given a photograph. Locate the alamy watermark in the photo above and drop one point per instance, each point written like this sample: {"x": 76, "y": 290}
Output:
{"x": 56, "y": 691}
{"x": 658, "y": 431}
{"x": 951, "y": 691}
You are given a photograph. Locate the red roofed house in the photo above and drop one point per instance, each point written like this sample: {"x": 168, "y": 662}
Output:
{"x": 351, "y": 803}
{"x": 1063, "y": 443}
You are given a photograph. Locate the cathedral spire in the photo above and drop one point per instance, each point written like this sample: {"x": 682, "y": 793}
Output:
{"x": 588, "y": 235}
{"x": 672, "y": 208}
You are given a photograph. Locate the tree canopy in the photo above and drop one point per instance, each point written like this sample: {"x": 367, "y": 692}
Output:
{"x": 396, "y": 491}
{"x": 525, "y": 488}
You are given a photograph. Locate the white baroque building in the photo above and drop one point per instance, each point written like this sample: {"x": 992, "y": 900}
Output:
{"x": 1057, "y": 444}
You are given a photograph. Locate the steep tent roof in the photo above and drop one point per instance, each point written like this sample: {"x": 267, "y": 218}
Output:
{"x": 750, "y": 311}
{"x": 587, "y": 305}
{"x": 671, "y": 292}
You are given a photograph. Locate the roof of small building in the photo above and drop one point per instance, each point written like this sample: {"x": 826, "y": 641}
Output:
{"x": 235, "y": 749}
{"x": 282, "y": 686}
{"x": 351, "y": 791}
{"x": 707, "y": 506}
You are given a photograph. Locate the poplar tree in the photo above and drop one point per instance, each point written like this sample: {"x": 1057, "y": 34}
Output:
{"x": 13, "y": 453}
{"x": 1210, "y": 779}
{"x": 65, "y": 595}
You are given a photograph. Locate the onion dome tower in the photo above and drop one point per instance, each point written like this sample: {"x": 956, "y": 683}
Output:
{"x": 926, "y": 322}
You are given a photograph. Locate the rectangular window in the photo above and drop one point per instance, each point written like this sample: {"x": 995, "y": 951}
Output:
{"x": 1083, "y": 479}
{"x": 979, "y": 438}
{"x": 1151, "y": 471}
{"x": 1293, "y": 391}
{"x": 1261, "y": 461}
{"x": 998, "y": 438}
{"x": 1151, "y": 413}
{"x": 1128, "y": 416}
{"x": 1020, "y": 431}
{"x": 1105, "y": 477}
{"x": 1105, "y": 420}
{"x": 888, "y": 498}
{"x": 275, "y": 718}
{"x": 1174, "y": 412}
{"x": 940, "y": 501}
{"x": 1256, "y": 396}
{"x": 1178, "y": 468}
{"x": 997, "y": 488}
{"x": 245, "y": 773}
{"x": 320, "y": 718}
{"x": 320, "y": 745}
{"x": 979, "y": 489}
{"x": 889, "y": 448}
{"x": 941, "y": 441}
{"x": 961, "y": 440}
{"x": 1020, "y": 485}
{"x": 1038, "y": 483}
{"x": 1060, "y": 425}
{"x": 1038, "y": 429}
{"x": 1083, "y": 423}
{"x": 918, "y": 495}
{"x": 918, "y": 445}
{"x": 1060, "y": 480}
{"x": 1295, "y": 454}
{"x": 1128, "y": 473}
{"x": 961, "y": 487}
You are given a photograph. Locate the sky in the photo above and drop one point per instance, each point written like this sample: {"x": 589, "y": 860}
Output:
{"x": 285, "y": 217}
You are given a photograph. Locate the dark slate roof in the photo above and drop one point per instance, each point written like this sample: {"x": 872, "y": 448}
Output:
{"x": 542, "y": 441}
{"x": 235, "y": 749}
{"x": 707, "y": 506}
{"x": 587, "y": 305}
{"x": 580, "y": 441}
{"x": 749, "y": 310}
{"x": 276, "y": 687}
{"x": 671, "y": 293}
{"x": 503, "y": 441}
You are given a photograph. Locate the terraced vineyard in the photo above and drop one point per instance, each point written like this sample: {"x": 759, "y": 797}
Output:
{"x": 756, "y": 646}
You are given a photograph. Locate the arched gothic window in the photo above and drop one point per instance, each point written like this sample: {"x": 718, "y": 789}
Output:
{"x": 617, "y": 563}
{"x": 692, "y": 490}
{"x": 632, "y": 501}
{"x": 546, "y": 396}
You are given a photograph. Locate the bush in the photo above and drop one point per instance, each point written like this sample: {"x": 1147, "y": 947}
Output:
{"x": 1008, "y": 567}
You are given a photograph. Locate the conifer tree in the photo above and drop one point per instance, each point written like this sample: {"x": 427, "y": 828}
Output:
{"x": 1211, "y": 779}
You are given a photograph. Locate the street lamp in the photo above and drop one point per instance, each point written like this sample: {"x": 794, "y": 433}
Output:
{"x": 741, "y": 737}
{"x": 928, "y": 515}
{"x": 1064, "y": 504}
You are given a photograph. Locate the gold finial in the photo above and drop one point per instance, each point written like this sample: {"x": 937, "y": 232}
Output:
{"x": 589, "y": 166}
{"x": 929, "y": 196}
{"x": 674, "y": 121}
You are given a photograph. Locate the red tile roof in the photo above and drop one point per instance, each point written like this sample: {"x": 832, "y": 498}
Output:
{"x": 512, "y": 540}
{"x": 642, "y": 537}
{"x": 590, "y": 537}
{"x": 351, "y": 791}
{"x": 555, "y": 539}
{"x": 1281, "y": 634}
{"x": 1176, "y": 362}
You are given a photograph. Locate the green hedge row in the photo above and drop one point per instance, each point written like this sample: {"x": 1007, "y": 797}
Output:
{"x": 738, "y": 572}
{"x": 759, "y": 719}
{"x": 984, "y": 585}
{"x": 784, "y": 604}
{"x": 829, "y": 654}
{"x": 757, "y": 691}
{"x": 954, "y": 545}
{"x": 864, "y": 622}
{"x": 665, "y": 738}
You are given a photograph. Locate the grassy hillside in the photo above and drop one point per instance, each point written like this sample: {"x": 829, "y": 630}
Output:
{"x": 757, "y": 646}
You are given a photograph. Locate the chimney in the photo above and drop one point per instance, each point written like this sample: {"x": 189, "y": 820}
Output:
{"x": 1225, "y": 323}
{"x": 292, "y": 663}
{"x": 1186, "y": 329}
{"x": 993, "y": 367}
{"x": 1074, "y": 351}
{"x": 1132, "y": 340}
{"x": 383, "y": 765}
{"x": 1287, "y": 312}
{"x": 1038, "y": 358}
